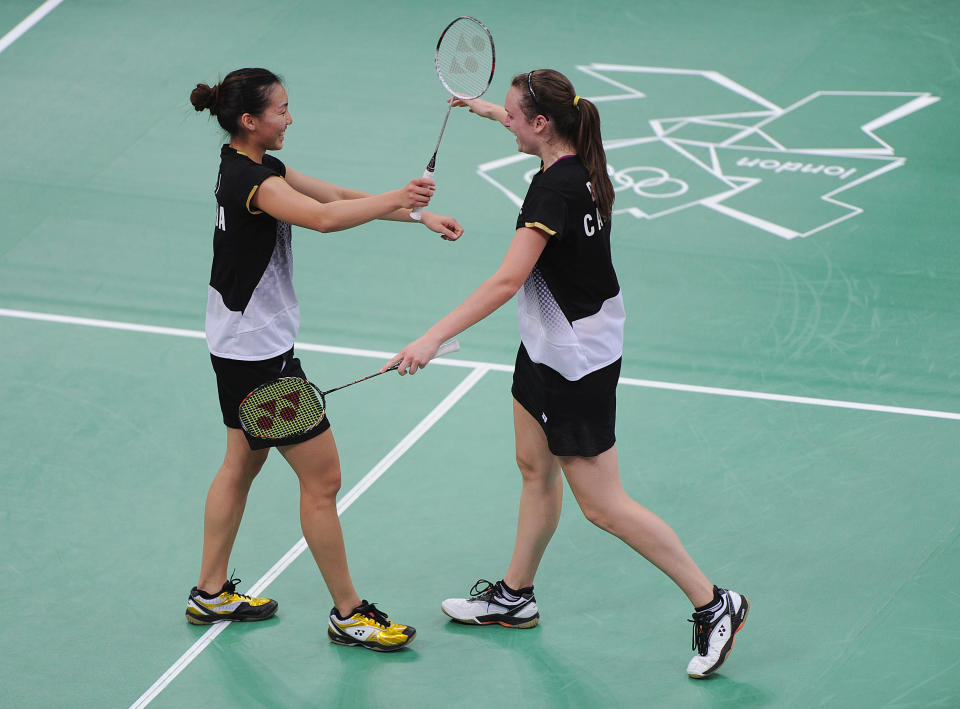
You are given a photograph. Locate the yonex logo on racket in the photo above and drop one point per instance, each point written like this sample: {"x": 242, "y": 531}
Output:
{"x": 291, "y": 406}
{"x": 465, "y": 47}
{"x": 464, "y": 57}
{"x": 287, "y": 413}
{"x": 282, "y": 408}
{"x": 464, "y": 51}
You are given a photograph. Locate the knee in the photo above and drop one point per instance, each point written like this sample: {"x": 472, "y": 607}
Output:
{"x": 241, "y": 472}
{"x": 321, "y": 489}
{"x": 540, "y": 478}
{"x": 251, "y": 468}
{"x": 532, "y": 470}
{"x": 599, "y": 515}
{"x": 526, "y": 466}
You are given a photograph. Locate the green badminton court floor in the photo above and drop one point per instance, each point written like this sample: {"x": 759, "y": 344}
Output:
{"x": 786, "y": 239}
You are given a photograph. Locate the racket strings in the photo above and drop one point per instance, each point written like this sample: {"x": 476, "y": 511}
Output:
{"x": 282, "y": 408}
{"x": 465, "y": 58}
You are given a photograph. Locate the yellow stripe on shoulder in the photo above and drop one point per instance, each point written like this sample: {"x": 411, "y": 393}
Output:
{"x": 250, "y": 199}
{"x": 542, "y": 227}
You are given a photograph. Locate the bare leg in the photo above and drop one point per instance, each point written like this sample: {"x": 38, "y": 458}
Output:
{"x": 224, "y": 507}
{"x": 541, "y": 499}
{"x": 317, "y": 465}
{"x": 596, "y": 484}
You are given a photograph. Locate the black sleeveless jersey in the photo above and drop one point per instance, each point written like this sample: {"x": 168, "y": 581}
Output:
{"x": 252, "y": 308}
{"x": 570, "y": 308}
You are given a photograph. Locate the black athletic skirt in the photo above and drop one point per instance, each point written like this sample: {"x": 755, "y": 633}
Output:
{"x": 578, "y": 417}
{"x": 237, "y": 378}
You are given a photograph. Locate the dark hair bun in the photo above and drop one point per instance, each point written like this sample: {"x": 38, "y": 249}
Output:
{"x": 241, "y": 91}
{"x": 204, "y": 98}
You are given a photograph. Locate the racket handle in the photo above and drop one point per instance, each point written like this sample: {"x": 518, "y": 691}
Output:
{"x": 448, "y": 347}
{"x": 415, "y": 212}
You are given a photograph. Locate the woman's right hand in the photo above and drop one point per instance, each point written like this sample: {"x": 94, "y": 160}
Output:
{"x": 481, "y": 107}
{"x": 417, "y": 193}
{"x": 414, "y": 356}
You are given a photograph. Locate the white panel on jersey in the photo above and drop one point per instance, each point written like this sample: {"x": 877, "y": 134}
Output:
{"x": 268, "y": 326}
{"x": 574, "y": 350}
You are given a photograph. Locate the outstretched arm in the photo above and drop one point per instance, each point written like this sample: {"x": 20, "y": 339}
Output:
{"x": 519, "y": 261}
{"x": 493, "y": 111}
{"x": 319, "y": 190}
{"x": 279, "y": 199}
{"x": 325, "y": 192}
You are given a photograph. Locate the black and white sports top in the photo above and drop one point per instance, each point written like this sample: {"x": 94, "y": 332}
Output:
{"x": 252, "y": 308}
{"x": 570, "y": 307}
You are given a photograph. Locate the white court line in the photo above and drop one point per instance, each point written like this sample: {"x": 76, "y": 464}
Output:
{"x": 297, "y": 549}
{"x": 27, "y": 22}
{"x": 487, "y": 366}
{"x": 788, "y": 399}
{"x": 198, "y": 335}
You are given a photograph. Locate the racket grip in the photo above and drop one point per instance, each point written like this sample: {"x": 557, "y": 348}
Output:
{"x": 415, "y": 212}
{"x": 448, "y": 347}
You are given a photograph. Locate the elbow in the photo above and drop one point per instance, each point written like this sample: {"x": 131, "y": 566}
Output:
{"x": 324, "y": 225}
{"x": 509, "y": 283}
{"x": 513, "y": 278}
{"x": 513, "y": 286}
{"x": 324, "y": 219}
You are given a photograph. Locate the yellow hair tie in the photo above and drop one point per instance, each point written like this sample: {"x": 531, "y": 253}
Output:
{"x": 576, "y": 100}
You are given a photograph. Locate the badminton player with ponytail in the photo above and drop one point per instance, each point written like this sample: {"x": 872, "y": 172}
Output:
{"x": 251, "y": 322}
{"x": 571, "y": 318}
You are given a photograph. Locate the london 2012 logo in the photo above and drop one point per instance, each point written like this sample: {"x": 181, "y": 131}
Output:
{"x": 780, "y": 170}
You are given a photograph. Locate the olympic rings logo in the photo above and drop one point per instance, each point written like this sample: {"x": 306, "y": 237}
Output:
{"x": 625, "y": 180}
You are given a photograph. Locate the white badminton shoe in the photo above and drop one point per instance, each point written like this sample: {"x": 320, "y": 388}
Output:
{"x": 714, "y": 631}
{"x": 494, "y": 603}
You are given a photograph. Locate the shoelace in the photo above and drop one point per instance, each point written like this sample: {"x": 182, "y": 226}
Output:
{"x": 494, "y": 593}
{"x": 701, "y": 631}
{"x": 231, "y": 587}
{"x": 485, "y": 593}
{"x": 371, "y": 611}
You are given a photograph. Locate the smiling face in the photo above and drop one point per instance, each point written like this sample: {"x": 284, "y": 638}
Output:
{"x": 527, "y": 132}
{"x": 268, "y": 128}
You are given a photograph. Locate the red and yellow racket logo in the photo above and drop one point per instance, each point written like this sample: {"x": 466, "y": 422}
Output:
{"x": 285, "y": 407}
{"x": 286, "y": 412}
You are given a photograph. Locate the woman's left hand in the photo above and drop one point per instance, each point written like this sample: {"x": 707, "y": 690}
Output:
{"x": 446, "y": 227}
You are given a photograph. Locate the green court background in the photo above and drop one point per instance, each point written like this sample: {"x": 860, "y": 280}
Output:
{"x": 840, "y": 524}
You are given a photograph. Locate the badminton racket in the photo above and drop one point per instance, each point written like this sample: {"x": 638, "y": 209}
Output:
{"x": 286, "y": 408}
{"x": 465, "y": 59}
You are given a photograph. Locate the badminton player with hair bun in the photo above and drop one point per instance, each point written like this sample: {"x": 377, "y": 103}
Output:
{"x": 251, "y": 322}
{"x": 571, "y": 317}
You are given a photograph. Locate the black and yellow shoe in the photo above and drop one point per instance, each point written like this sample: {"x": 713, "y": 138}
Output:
{"x": 227, "y": 605}
{"x": 369, "y": 627}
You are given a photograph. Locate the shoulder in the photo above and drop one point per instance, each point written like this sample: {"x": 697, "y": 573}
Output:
{"x": 240, "y": 163}
{"x": 563, "y": 172}
{"x": 275, "y": 164}
{"x": 565, "y": 177}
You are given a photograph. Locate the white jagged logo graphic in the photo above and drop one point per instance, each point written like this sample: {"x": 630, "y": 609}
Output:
{"x": 777, "y": 169}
